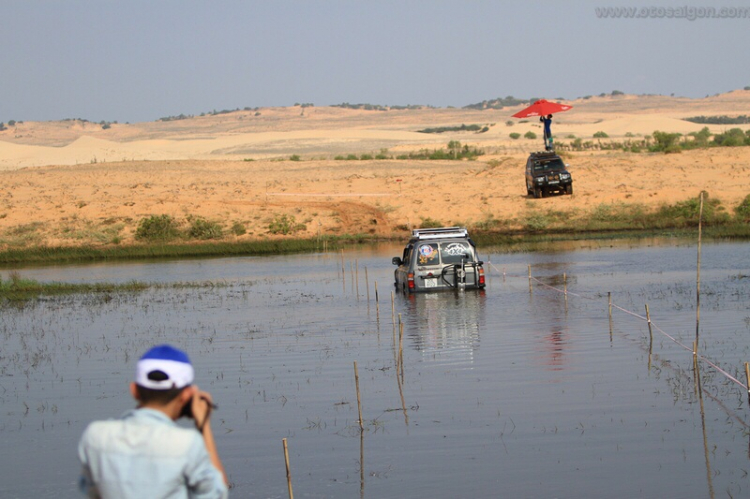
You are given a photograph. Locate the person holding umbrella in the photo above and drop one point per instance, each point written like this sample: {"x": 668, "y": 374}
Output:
{"x": 543, "y": 108}
{"x": 547, "y": 131}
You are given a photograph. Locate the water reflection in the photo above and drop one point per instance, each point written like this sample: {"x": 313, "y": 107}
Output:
{"x": 276, "y": 350}
{"x": 549, "y": 307}
{"x": 446, "y": 325}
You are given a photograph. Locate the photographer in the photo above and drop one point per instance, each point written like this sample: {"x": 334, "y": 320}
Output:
{"x": 144, "y": 453}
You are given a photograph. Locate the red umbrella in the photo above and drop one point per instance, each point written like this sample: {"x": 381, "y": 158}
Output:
{"x": 542, "y": 108}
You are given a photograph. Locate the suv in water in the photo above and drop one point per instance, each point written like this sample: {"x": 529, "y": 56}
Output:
{"x": 546, "y": 173}
{"x": 439, "y": 259}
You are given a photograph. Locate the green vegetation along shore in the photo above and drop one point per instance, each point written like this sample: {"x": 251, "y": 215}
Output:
{"x": 605, "y": 220}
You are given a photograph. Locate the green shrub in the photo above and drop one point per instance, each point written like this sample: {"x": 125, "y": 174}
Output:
{"x": 530, "y": 135}
{"x": 285, "y": 224}
{"x": 732, "y": 138}
{"x": 686, "y": 213}
{"x": 157, "y": 228}
{"x": 536, "y": 221}
{"x": 515, "y": 135}
{"x": 743, "y": 209}
{"x": 200, "y": 228}
{"x": 294, "y": 157}
{"x": 601, "y": 135}
{"x": 665, "y": 142}
{"x": 351, "y": 157}
{"x": 339, "y": 158}
{"x": 238, "y": 229}
{"x": 365, "y": 157}
{"x": 430, "y": 223}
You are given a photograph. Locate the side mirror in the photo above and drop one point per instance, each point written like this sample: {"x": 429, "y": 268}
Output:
{"x": 567, "y": 165}
{"x": 396, "y": 261}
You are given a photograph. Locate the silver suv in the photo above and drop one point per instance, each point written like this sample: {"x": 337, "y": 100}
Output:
{"x": 439, "y": 259}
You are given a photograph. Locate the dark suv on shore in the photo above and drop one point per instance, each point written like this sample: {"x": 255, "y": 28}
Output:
{"x": 439, "y": 259}
{"x": 547, "y": 173}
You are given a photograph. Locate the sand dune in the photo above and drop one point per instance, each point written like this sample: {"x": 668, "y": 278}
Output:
{"x": 77, "y": 183}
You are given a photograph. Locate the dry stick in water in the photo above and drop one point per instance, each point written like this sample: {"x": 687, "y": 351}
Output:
{"x": 609, "y": 302}
{"x": 395, "y": 344}
{"x": 565, "y": 288}
{"x": 288, "y": 471}
{"x": 377, "y": 305}
{"x": 651, "y": 335}
{"x": 356, "y": 266}
{"x": 393, "y": 320}
{"x": 530, "y": 288}
{"x": 359, "y": 400}
{"x": 698, "y": 281}
{"x": 401, "y": 346}
{"x": 367, "y": 285}
{"x": 747, "y": 378}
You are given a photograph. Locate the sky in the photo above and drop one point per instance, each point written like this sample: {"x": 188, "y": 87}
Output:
{"x": 139, "y": 60}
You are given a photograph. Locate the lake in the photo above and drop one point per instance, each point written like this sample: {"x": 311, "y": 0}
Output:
{"x": 508, "y": 392}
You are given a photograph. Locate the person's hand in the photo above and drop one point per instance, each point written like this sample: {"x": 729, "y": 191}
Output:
{"x": 201, "y": 404}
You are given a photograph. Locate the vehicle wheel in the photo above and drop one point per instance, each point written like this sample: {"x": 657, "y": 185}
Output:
{"x": 569, "y": 189}
{"x": 537, "y": 192}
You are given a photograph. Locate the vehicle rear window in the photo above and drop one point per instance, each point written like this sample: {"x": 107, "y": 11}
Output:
{"x": 454, "y": 252}
{"x": 427, "y": 254}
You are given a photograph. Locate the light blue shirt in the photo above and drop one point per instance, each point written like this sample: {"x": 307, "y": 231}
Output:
{"x": 145, "y": 454}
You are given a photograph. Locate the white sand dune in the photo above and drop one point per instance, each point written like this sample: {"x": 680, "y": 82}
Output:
{"x": 67, "y": 183}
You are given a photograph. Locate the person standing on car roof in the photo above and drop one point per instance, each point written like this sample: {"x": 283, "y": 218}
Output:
{"x": 547, "y": 131}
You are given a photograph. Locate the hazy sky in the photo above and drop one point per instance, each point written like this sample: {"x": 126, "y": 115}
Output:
{"x": 133, "y": 60}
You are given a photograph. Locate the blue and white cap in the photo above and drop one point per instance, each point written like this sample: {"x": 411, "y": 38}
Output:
{"x": 163, "y": 368}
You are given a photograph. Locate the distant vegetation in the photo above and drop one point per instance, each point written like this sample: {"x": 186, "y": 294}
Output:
{"x": 285, "y": 225}
{"x": 176, "y": 118}
{"x": 164, "y": 228}
{"x": 179, "y": 117}
{"x": 379, "y": 107}
{"x": 454, "y": 150}
{"x": 462, "y": 128}
{"x": 719, "y": 120}
{"x": 499, "y": 103}
{"x": 10, "y": 123}
{"x": 668, "y": 143}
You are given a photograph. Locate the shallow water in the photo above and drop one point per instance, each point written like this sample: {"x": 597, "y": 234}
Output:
{"x": 504, "y": 392}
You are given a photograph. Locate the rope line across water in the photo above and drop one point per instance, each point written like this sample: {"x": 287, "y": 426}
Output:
{"x": 629, "y": 312}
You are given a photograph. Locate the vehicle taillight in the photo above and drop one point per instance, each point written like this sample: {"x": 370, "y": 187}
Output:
{"x": 481, "y": 276}
{"x": 410, "y": 280}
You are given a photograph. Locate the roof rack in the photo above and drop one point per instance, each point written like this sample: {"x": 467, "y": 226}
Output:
{"x": 544, "y": 153}
{"x": 440, "y": 233}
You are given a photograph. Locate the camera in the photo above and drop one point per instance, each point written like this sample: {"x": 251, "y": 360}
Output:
{"x": 187, "y": 409}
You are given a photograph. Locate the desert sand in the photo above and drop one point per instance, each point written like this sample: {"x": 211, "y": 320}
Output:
{"x": 73, "y": 182}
